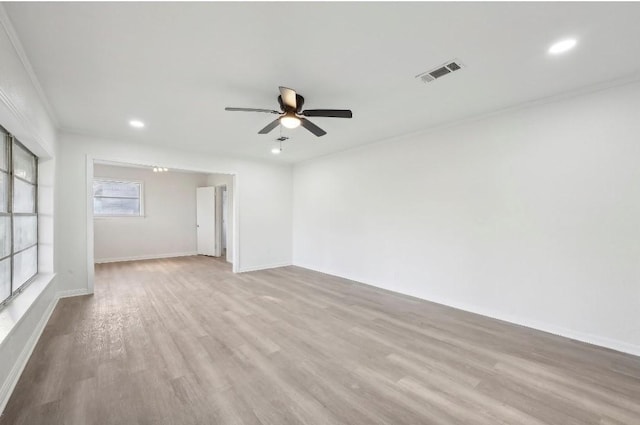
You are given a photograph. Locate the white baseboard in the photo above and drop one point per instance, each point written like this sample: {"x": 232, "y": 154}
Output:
{"x": 263, "y": 267}
{"x": 144, "y": 257}
{"x": 588, "y": 338}
{"x": 598, "y": 340}
{"x": 73, "y": 293}
{"x": 20, "y": 363}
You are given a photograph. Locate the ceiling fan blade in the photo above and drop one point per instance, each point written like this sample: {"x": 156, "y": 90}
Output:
{"x": 273, "y": 124}
{"x": 269, "y": 111}
{"x": 334, "y": 113}
{"x": 289, "y": 97}
{"x": 312, "y": 127}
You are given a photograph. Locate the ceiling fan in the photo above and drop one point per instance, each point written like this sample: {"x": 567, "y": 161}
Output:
{"x": 291, "y": 114}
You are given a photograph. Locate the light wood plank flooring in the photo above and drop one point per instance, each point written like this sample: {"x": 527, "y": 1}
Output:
{"x": 185, "y": 341}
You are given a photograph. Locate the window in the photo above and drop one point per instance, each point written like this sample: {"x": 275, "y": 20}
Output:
{"x": 113, "y": 198}
{"x": 18, "y": 216}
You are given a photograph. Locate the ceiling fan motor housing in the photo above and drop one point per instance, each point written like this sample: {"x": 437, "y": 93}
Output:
{"x": 286, "y": 108}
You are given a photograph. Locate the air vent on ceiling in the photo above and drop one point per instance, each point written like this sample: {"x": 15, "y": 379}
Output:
{"x": 440, "y": 71}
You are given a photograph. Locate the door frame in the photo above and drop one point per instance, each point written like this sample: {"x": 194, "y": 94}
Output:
{"x": 220, "y": 189}
{"x": 90, "y": 160}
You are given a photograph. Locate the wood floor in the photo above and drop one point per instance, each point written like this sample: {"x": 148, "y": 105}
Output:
{"x": 185, "y": 341}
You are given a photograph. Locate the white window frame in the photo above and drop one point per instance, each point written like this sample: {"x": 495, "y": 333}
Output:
{"x": 110, "y": 216}
{"x": 12, "y": 142}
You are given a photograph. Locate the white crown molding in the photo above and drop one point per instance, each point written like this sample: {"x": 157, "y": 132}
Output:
{"x": 17, "y": 46}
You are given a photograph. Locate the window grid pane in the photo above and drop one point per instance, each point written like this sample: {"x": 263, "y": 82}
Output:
{"x": 5, "y": 279}
{"x": 5, "y": 237}
{"x": 25, "y": 266}
{"x": 24, "y": 164}
{"x": 25, "y": 232}
{"x": 116, "y": 206}
{"x": 4, "y": 152}
{"x": 24, "y": 197}
{"x": 4, "y": 192}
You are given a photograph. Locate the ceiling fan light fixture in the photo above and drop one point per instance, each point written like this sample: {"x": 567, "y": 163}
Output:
{"x": 290, "y": 121}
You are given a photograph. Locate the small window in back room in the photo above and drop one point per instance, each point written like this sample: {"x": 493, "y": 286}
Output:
{"x": 113, "y": 198}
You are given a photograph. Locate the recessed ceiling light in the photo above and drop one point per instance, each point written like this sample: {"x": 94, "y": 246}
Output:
{"x": 562, "y": 46}
{"x": 136, "y": 123}
{"x": 276, "y": 151}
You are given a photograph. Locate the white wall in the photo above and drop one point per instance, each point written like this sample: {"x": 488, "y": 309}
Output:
{"x": 24, "y": 114}
{"x": 168, "y": 228}
{"x": 532, "y": 216}
{"x": 227, "y": 180}
{"x": 263, "y": 195}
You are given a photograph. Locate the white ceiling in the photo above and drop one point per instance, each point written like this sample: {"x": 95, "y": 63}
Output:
{"x": 177, "y": 65}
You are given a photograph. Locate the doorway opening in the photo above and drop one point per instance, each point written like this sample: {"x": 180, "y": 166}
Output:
{"x": 214, "y": 222}
{"x": 145, "y": 211}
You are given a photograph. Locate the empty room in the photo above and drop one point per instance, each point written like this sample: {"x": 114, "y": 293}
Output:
{"x": 150, "y": 212}
{"x": 321, "y": 213}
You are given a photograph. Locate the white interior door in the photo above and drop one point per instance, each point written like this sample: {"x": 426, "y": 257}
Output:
{"x": 206, "y": 220}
